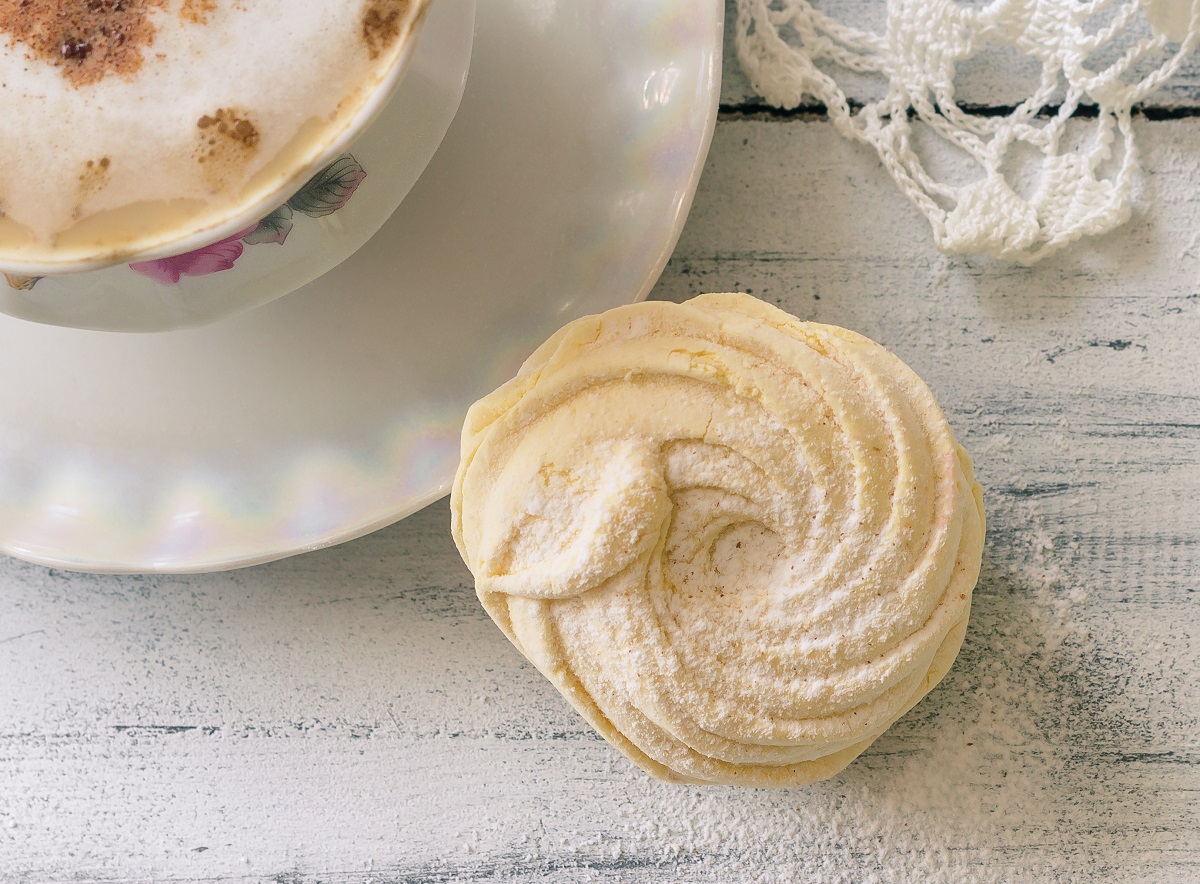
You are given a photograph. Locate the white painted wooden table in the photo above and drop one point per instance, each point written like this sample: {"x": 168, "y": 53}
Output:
{"x": 352, "y": 715}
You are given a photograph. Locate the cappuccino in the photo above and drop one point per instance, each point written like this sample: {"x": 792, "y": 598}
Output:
{"x": 132, "y": 124}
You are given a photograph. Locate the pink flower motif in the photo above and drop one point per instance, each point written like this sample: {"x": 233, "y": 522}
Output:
{"x": 201, "y": 262}
{"x": 324, "y": 194}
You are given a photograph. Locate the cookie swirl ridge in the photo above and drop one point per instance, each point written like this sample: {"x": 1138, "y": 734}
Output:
{"x": 741, "y": 545}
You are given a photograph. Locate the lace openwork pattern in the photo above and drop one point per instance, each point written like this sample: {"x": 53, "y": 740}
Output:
{"x": 1035, "y": 174}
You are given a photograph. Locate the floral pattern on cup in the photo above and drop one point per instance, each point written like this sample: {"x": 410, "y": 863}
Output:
{"x": 19, "y": 282}
{"x": 327, "y": 192}
{"x": 201, "y": 262}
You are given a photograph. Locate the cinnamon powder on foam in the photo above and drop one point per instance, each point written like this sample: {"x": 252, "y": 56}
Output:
{"x": 86, "y": 39}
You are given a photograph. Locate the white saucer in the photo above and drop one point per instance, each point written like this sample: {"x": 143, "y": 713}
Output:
{"x": 559, "y": 190}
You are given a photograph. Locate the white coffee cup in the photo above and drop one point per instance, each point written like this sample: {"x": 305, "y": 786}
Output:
{"x": 243, "y": 270}
{"x": 162, "y": 128}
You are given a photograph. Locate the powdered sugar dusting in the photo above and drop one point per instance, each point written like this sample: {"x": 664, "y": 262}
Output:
{"x": 765, "y": 544}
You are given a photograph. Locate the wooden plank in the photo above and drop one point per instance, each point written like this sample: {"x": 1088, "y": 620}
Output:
{"x": 352, "y": 715}
{"x": 993, "y": 79}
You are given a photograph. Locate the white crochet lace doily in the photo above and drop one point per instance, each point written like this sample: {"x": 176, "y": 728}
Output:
{"x": 1030, "y": 184}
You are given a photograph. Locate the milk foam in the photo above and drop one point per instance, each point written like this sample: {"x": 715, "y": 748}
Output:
{"x": 223, "y": 92}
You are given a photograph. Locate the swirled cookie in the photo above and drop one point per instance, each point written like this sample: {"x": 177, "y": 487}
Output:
{"x": 741, "y": 545}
